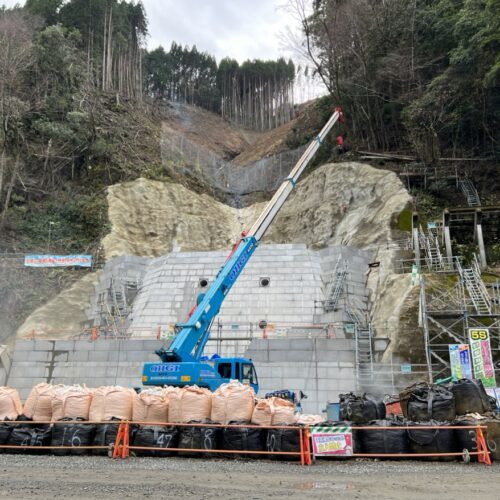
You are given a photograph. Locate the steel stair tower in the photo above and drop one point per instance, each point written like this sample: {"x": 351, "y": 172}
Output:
{"x": 433, "y": 257}
{"x": 364, "y": 356}
{"x": 476, "y": 289}
{"x": 470, "y": 192}
{"x": 363, "y": 349}
{"x": 336, "y": 285}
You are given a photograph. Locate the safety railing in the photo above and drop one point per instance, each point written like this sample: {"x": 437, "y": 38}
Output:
{"x": 482, "y": 452}
{"x": 121, "y": 447}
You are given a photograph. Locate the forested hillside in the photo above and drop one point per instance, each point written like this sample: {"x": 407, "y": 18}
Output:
{"x": 419, "y": 74}
{"x": 81, "y": 97}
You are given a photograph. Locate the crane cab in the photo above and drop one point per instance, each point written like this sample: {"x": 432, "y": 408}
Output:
{"x": 210, "y": 374}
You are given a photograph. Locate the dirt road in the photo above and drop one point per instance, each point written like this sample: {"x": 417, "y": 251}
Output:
{"x": 26, "y": 476}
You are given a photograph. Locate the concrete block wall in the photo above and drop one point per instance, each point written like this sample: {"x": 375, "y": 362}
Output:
{"x": 5, "y": 364}
{"x": 104, "y": 362}
{"x": 321, "y": 368}
{"x": 298, "y": 280}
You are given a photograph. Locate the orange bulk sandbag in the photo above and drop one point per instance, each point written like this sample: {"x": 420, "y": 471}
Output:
{"x": 263, "y": 412}
{"x": 71, "y": 401}
{"x": 38, "y": 406}
{"x": 10, "y": 404}
{"x": 233, "y": 402}
{"x": 111, "y": 402}
{"x": 189, "y": 403}
{"x": 150, "y": 405}
{"x": 283, "y": 412}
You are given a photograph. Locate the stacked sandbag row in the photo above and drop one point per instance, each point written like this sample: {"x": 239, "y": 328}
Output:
{"x": 404, "y": 440}
{"x": 231, "y": 404}
{"x": 63, "y": 411}
{"x": 63, "y": 406}
{"x": 462, "y": 403}
{"x": 423, "y": 401}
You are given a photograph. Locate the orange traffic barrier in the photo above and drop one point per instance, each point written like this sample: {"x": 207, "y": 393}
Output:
{"x": 121, "y": 448}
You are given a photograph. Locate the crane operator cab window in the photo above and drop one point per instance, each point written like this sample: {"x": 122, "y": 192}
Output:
{"x": 224, "y": 370}
{"x": 248, "y": 375}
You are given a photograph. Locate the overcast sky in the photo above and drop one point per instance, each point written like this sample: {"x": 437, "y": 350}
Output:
{"x": 241, "y": 29}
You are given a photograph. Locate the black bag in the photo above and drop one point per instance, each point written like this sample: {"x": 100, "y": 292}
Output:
{"x": 74, "y": 435}
{"x": 405, "y": 394}
{"x": 492, "y": 436}
{"x": 287, "y": 440}
{"x": 5, "y": 430}
{"x": 465, "y": 439}
{"x": 431, "y": 403}
{"x": 470, "y": 397}
{"x": 200, "y": 438}
{"x": 432, "y": 440}
{"x": 358, "y": 409}
{"x": 29, "y": 436}
{"x": 155, "y": 436}
{"x": 105, "y": 435}
{"x": 243, "y": 438}
{"x": 382, "y": 441}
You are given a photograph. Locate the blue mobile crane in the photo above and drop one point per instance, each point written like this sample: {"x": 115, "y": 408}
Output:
{"x": 181, "y": 363}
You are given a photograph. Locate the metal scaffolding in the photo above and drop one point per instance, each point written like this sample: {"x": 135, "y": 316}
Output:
{"x": 447, "y": 312}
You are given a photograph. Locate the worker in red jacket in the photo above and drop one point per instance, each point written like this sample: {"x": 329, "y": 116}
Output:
{"x": 341, "y": 144}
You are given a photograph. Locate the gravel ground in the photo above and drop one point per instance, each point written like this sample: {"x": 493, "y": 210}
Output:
{"x": 25, "y": 476}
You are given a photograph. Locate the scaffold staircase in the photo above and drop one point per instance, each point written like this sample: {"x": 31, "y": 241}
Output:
{"x": 336, "y": 286}
{"x": 433, "y": 257}
{"x": 364, "y": 356}
{"x": 470, "y": 192}
{"x": 476, "y": 289}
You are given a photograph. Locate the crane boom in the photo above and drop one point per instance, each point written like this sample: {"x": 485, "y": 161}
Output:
{"x": 187, "y": 347}
{"x": 273, "y": 207}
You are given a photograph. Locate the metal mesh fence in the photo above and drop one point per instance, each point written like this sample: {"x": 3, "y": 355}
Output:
{"x": 187, "y": 158}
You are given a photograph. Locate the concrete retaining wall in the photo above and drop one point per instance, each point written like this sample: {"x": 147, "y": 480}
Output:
{"x": 105, "y": 362}
{"x": 321, "y": 368}
{"x": 167, "y": 287}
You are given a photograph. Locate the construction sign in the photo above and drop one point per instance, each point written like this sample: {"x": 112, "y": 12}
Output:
{"x": 58, "y": 260}
{"x": 479, "y": 340}
{"x": 460, "y": 363}
{"x": 330, "y": 440}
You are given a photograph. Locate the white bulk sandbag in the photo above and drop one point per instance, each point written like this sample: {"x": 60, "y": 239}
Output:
{"x": 38, "y": 406}
{"x": 10, "y": 404}
{"x": 71, "y": 401}
{"x": 233, "y": 401}
{"x": 283, "y": 412}
{"x": 111, "y": 402}
{"x": 150, "y": 405}
{"x": 311, "y": 419}
{"x": 263, "y": 412}
{"x": 189, "y": 403}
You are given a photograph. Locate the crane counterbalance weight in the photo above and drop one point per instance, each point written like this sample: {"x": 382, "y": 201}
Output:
{"x": 181, "y": 363}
